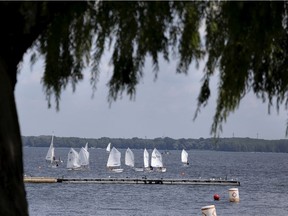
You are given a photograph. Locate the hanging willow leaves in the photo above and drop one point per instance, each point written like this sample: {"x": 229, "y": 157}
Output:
{"x": 245, "y": 42}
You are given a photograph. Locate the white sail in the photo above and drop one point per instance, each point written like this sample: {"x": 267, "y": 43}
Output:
{"x": 108, "y": 149}
{"x": 73, "y": 161}
{"x": 50, "y": 154}
{"x": 184, "y": 157}
{"x": 156, "y": 159}
{"x": 129, "y": 158}
{"x": 146, "y": 158}
{"x": 86, "y": 146}
{"x": 114, "y": 159}
{"x": 84, "y": 157}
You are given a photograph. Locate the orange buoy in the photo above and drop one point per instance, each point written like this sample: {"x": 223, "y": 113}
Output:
{"x": 216, "y": 197}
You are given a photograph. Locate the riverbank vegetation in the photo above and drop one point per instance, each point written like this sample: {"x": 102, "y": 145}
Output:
{"x": 165, "y": 143}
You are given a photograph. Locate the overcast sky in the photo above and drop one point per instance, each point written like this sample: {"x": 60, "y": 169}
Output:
{"x": 162, "y": 108}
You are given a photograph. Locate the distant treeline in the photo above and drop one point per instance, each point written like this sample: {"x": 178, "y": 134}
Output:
{"x": 166, "y": 143}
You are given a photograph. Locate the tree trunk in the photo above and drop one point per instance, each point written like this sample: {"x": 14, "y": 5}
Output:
{"x": 12, "y": 190}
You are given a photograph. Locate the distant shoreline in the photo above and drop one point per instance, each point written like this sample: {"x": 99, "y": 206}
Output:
{"x": 235, "y": 144}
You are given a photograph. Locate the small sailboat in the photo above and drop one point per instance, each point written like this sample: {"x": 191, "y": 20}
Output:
{"x": 84, "y": 157}
{"x": 156, "y": 161}
{"x": 129, "y": 158}
{"x": 51, "y": 152}
{"x": 108, "y": 148}
{"x": 146, "y": 160}
{"x": 50, "y": 156}
{"x": 184, "y": 157}
{"x": 130, "y": 161}
{"x": 73, "y": 162}
{"x": 114, "y": 160}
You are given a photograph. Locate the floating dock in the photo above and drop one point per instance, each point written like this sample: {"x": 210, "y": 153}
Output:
{"x": 40, "y": 180}
{"x": 133, "y": 181}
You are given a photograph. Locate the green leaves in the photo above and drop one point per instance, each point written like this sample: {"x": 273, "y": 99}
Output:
{"x": 245, "y": 41}
{"x": 64, "y": 44}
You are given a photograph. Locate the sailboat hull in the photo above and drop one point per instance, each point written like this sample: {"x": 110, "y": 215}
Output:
{"x": 159, "y": 169}
{"x": 116, "y": 170}
{"x": 76, "y": 168}
{"x": 139, "y": 169}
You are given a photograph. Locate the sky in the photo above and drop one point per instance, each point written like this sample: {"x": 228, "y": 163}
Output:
{"x": 161, "y": 108}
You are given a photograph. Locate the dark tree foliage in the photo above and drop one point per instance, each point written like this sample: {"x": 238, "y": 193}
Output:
{"x": 244, "y": 41}
{"x": 21, "y": 24}
{"x": 134, "y": 30}
{"x": 247, "y": 42}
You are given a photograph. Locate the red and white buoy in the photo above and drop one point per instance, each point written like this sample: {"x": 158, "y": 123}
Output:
{"x": 234, "y": 195}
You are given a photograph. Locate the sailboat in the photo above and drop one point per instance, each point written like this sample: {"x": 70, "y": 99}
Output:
{"x": 184, "y": 157}
{"x": 114, "y": 160}
{"x": 84, "y": 157}
{"x": 156, "y": 161}
{"x": 73, "y": 162}
{"x": 50, "y": 156}
{"x": 146, "y": 160}
{"x": 108, "y": 148}
{"x": 130, "y": 161}
{"x": 129, "y": 158}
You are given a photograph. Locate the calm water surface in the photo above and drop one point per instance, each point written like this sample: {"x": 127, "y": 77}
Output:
{"x": 263, "y": 190}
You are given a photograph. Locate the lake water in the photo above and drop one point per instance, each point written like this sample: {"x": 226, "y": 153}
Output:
{"x": 263, "y": 190}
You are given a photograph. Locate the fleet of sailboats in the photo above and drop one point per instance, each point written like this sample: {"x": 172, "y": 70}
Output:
{"x": 80, "y": 160}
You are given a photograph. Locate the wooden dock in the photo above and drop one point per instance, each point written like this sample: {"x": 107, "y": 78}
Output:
{"x": 40, "y": 180}
{"x": 132, "y": 181}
